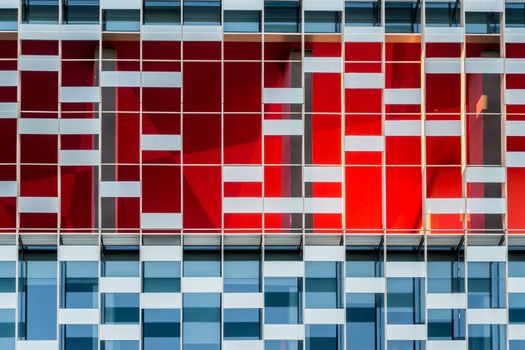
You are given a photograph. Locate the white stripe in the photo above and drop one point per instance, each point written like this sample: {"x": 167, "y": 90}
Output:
{"x": 515, "y": 96}
{"x": 364, "y": 143}
{"x": 8, "y": 78}
{"x": 38, "y": 63}
{"x": 283, "y": 332}
{"x": 402, "y": 128}
{"x": 160, "y": 253}
{"x": 242, "y": 173}
{"x": 446, "y": 301}
{"x": 365, "y": 285}
{"x": 243, "y": 4}
{"x": 364, "y": 81}
{"x": 120, "y": 79}
{"x": 486, "y": 205}
{"x": 201, "y": 285}
{"x": 487, "y": 316}
{"x": 283, "y": 205}
{"x": 120, "y": 4}
{"x": 242, "y": 205}
{"x": 78, "y": 316}
{"x": 8, "y": 188}
{"x": 76, "y": 157}
{"x": 324, "y": 316}
{"x": 8, "y": 300}
{"x": 37, "y": 126}
{"x": 443, "y": 65}
{"x": 325, "y": 5}
{"x": 406, "y": 332}
{"x": 9, "y": 4}
{"x": 445, "y": 205}
{"x": 405, "y": 269}
{"x": 485, "y": 174}
{"x": 161, "y": 142}
{"x": 516, "y": 331}
{"x": 486, "y": 253}
{"x": 515, "y": 127}
{"x": 323, "y": 205}
{"x": 8, "y": 110}
{"x": 242, "y": 344}
{"x": 8, "y": 253}
{"x": 282, "y": 95}
{"x": 38, "y": 204}
{"x": 484, "y": 65}
{"x": 37, "y": 345}
{"x": 515, "y": 35}
{"x": 38, "y": 31}
{"x": 78, "y": 253}
{"x": 120, "y": 332}
{"x": 282, "y": 127}
{"x": 445, "y": 34}
{"x": 79, "y": 126}
{"x": 484, "y": 5}
{"x": 119, "y": 189}
{"x": 364, "y": 34}
{"x": 119, "y": 285}
{"x": 162, "y": 79}
{"x": 79, "y": 94}
{"x": 443, "y": 128}
{"x": 446, "y": 344}
{"x": 516, "y": 285}
{"x": 160, "y": 300}
{"x": 323, "y": 65}
{"x": 324, "y": 253}
{"x": 80, "y": 32}
{"x": 322, "y": 174}
{"x": 161, "y": 32}
{"x": 515, "y": 159}
{"x": 402, "y": 96}
{"x": 515, "y": 65}
{"x": 161, "y": 220}
{"x": 243, "y": 300}
{"x": 202, "y": 33}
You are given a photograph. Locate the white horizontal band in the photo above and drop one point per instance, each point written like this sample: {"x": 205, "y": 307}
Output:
{"x": 444, "y": 34}
{"x": 515, "y": 159}
{"x": 516, "y": 285}
{"x": 485, "y": 174}
{"x": 515, "y": 127}
{"x": 161, "y": 142}
{"x": 320, "y": 205}
{"x": 242, "y": 344}
{"x": 79, "y": 94}
{"x": 8, "y": 78}
{"x": 242, "y": 173}
{"x": 160, "y": 253}
{"x": 9, "y": 4}
{"x": 406, "y": 332}
{"x": 8, "y": 188}
{"x": 161, "y": 220}
{"x": 515, "y": 65}
{"x": 402, "y": 96}
{"x": 364, "y": 143}
{"x": 484, "y": 5}
{"x": 243, "y": 300}
{"x": 79, "y": 126}
{"x": 283, "y": 332}
{"x": 155, "y": 32}
{"x": 8, "y": 301}
{"x": 515, "y": 96}
{"x": 487, "y": 316}
{"x": 486, "y": 205}
{"x": 402, "y": 128}
{"x": 516, "y": 331}
{"x": 37, "y": 345}
{"x": 202, "y": 33}
{"x": 405, "y": 269}
{"x": 324, "y": 316}
{"x": 78, "y": 316}
{"x": 283, "y": 268}
{"x": 39, "y": 63}
{"x": 325, "y": 5}
{"x": 484, "y": 65}
{"x": 243, "y": 5}
{"x": 443, "y": 65}
{"x": 486, "y": 253}
{"x": 120, "y": 332}
{"x": 282, "y": 95}
{"x": 120, "y": 79}
{"x": 201, "y": 285}
{"x": 365, "y": 285}
{"x": 37, "y": 126}
{"x": 443, "y": 127}
{"x": 324, "y": 253}
{"x": 364, "y": 81}
{"x": 32, "y": 31}
{"x": 161, "y": 300}
{"x": 323, "y": 174}
{"x": 8, "y": 253}
{"x": 119, "y": 189}
{"x": 364, "y": 34}
{"x": 446, "y": 301}
{"x": 323, "y": 65}
{"x": 78, "y": 253}
{"x": 445, "y": 205}
{"x": 120, "y": 4}
{"x": 515, "y": 35}
{"x": 79, "y": 157}
{"x": 162, "y": 79}
{"x": 446, "y": 344}
{"x": 283, "y": 205}
{"x": 80, "y": 32}
{"x": 242, "y": 205}
{"x": 38, "y": 204}
{"x": 8, "y": 110}
{"x": 278, "y": 127}
{"x": 120, "y": 285}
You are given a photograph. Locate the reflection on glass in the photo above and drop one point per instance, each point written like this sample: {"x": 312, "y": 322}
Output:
{"x": 161, "y": 329}
{"x": 161, "y": 277}
{"x": 120, "y": 262}
{"x": 161, "y": 12}
{"x": 202, "y": 321}
{"x": 202, "y": 261}
{"x": 443, "y": 14}
{"x": 242, "y": 21}
{"x": 242, "y": 324}
{"x": 365, "y": 318}
{"x": 78, "y": 337}
{"x": 364, "y": 262}
{"x": 446, "y": 324}
{"x": 403, "y": 16}
{"x": 120, "y": 308}
{"x": 79, "y": 284}
{"x": 486, "y": 285}
{"x": 283, "y": 300}
{"x": 406, "y": 300}
{"x": 324, "y": 287}
{"x": 282, "y": 16}
{"x": 324, "y": 337}
{"x": 40, "y": 11}
{"x": 362, "y": 13}
{"x": 446, "y": 270}
{"x": 242, "y": 269}
{"x": 7, "y": 329}
{"x": 7, "y": 276}
{"x": 121, "y": 20}
{"x": 487, "y": 336}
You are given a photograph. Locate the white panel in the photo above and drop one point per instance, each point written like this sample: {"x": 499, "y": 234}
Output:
{"x": 161, "y": 220}
{"x": 325, "y": 5}
{"x": 38, "y": 126}
{"x": 323, "y": 65}
{"x": 446, "y": 344}
{"x": 515, "y": 96}
{"x": 443, "y": 128}
{"x": 8, "y": 188}
{"x": 120, "y": 285}
{"x": 283, "y": 268}
{"x": 282, "y": 127}
{"x": 242, "y": 344}
{"x": 120, "y": 79}
{"x": 442, "y": 65}
{"x": 364, "y": 34}
{"x": 446, "y": 301}
{"x": 37, "y": 345}
{"x": 8, "y": 110}
{"x": 38, "y": 31}
{"x": 515, "y": 35}
{"x": 402, "y": 96}
{"x": 486, "y": 253}
{"x": 8, "y": 78}
{"x": 114, "y": 189}
{"x": 444, "y": 34}
{"x": 323, "y": 205}
{"x": 83, "y": 157}
{"x": 283, "y": 205}
{"x": 323, "y": 174}
{"x": 202, "y": 33}
{"x": 243, "y": 300}
{"x": 119, "y": 332}
{"x": 486, "y": 205}
{"x": 515, "y": 65}
{"x": 242, "y": 173}
{"x": 79, "y": 126}
{"x": 9, "y": 4}
{"x": 243, "y": 4}
{"x": 324, "y": 316}
{"x": 38, "y": 204}
{"x": 160, "y": 143}
{"x": 445, "y": 205}
{"x": 38, "y": 63}
{"x": 516, "y": 285}
{"x": 162, "y": 79}
{"x": 79, "y": 94}
{"x": 161, "y": 32}
{"x": 484, "y": 5}
{"x": 487, "y": 316}
{"x": 78, "y": 316}
{"x": 8, "y": 253}
{"x": 364, "y": 143}
{"x": 283, "y": 95}
{"x": 80, "y": 32}
{"x": 515, "y": 127}
{"x": 161, "y": 300}
{"x": 364, "y": 81}
{"x": 402, "y": 128}
{"x": 283, "y": 332}
{"x": 242, "y": 205}
{"x": 484, "y": 65}
{"x": 515, "y": 159}
{"x": 405, "y": 269}
{"x": 120, "y": 4}
{"x": 517, "y": 331}
{"x": 78, "y": 253}
{"x": 406, "y": 332}
{"x": 160, "y": 253}
{"x": 364, "y": 285}
{"x": 324, "y": 253}
{"x": 8, "y": 301}
{"x": 201, "y": 285}
{"x": 485, "y": 174}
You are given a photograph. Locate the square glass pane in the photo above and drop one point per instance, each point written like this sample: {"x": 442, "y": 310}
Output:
{"x": 79, "y": 284}
{"x": 202, "y": 261}
{"x": 161, "y": 329}
{"x": 161, "y": 277}
{"x": 242, "y": 270}
{"x": 283, "y": 300}
{"x": 362, "y": 13}
{"x": 242, "y": 324}
{"x": 120, "y": 308}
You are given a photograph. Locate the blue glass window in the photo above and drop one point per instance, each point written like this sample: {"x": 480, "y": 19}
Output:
{"x": 80, "y": 11}
{"x": 242, "y": 270}
{"x": 7, "y": 329}
{"x": 202, "y": 12}
{"x": 515, "y": 14}
{"x": 161, "y": 277}
{"x": 283, "y": 253}
{"x": 40, "y": 11}
{"x": 202, "y": 261}
{"x": 119, "y": 345}
{"x": 362, "y": 13}
{"x": 120, "y": 308}
{"x": 161, "y": 329}
{"x": 487, "y": 337}
{"x": 406, "y": 300}
{"x": 446, "y": 270}
{"x": 120, "y": 262}
{"x": 364, "y": 262}
{"x": 162, "y": 12}
{"x": 322, "y": 21}
{"x": 242, "y": 324}
{"x": 324, "y": 286}
{"x": 9, "y": 19}
{"x": 282, "y": 16}
{"x": 324, "y": 337}
{"x": 486, "y": 285}
{"x": 37, "y": 294}
{"x": 283, "y": 300}
{"x": 202, "y": 321}
{"x": 516, "y": 344}
{"x": 482, "y": 22}
{"x": 403, "y": 16}
{"x": 406, "y": 345}
{"x": 7, "y": 276}
{"x": 78, "y": 337}
{"x": 242, "y": 21}
{"x": 283, "y": 345}
{"x": 121, "y": 20}
{"x": 79, "y": 284}
{"x": 443, "y": 14}
{"x": 517, "y": 308}
{"x": 446, "y": 324}
{"x": 365, "y": 318}
{"x": 516, "y": 262}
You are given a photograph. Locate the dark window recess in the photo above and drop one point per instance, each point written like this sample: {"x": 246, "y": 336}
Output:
{"x": 443, "y": 14}
{"x": 282, "y": 16}
{"x": 322, "y": 21}
{"x": 80, "y": 11}
{"x": 9, "y": 19}
{"x": 403, "y": 17}
{"x": 202, "y": 12}
{"x": 40, "y": 11}
{"x": 121, "y": 20}
{"x": 242, "y": 21}
{"x": 162, "y": 12}
{"x": 482, "y": 22}
{"x": 515, "y": 14}
{"x": 363, "y": 14}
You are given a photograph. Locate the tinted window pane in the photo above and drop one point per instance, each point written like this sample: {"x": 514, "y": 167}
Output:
{"x": 121, "y": 20}
{"x": 7, "y": 276}
{"x": 363, "y": 13}
{"x": 364, "y": 262}
{"x": 517, "y": 308}
{"x": 283, "y": 345}
{"x": 482, "y": 22}
{"x": 78, "y": 337}
{"x": 7, "y": 329}
{"x": 403, "y": 17}
{"x": 323, "y": 285}
{"x": 282, "y": 16}
{"x": 406, "y": 345}
{"x": 202, "y": 321}
{"x": 282, "y": 253}
{"x": 119, "y": 345}
{"x": 161, "y": 277}
{"x": 242, "y": 270}
{"x": 322, "y": 21}
{"x": 202, "y": 261}
{"x": 406, "y": 300}
{"x": 79, "y": 284}
{"x": 8, "y": 19}
{"x": 161, "y": 329}
{"x": 446, "y": 324}
{"x": 365, "y": 318}
{"x": 446, "y": 270}
{"x": 516, "y": 262}
{"x": 515, "y": 15}
{"x": 120, "y": 262}
{"x": 324, "y": 337}
{"x": 242, "y": 21}
{"x": 283, "y": 300}
{"x": 486, "y": 337}
{"x": 81, "y": 11}
{"x": 120, "y": 308}
{"x": 40, "y": 11}
{"x": 486, "y": 285}
{"x": 202, "y": 12}
{"x": 443, "y": 14}
{"x": 161, "y": 12}
{"x": 242, "y": 324}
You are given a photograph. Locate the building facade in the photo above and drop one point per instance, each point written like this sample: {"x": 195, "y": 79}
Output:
{"x": 262, "y": 174}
